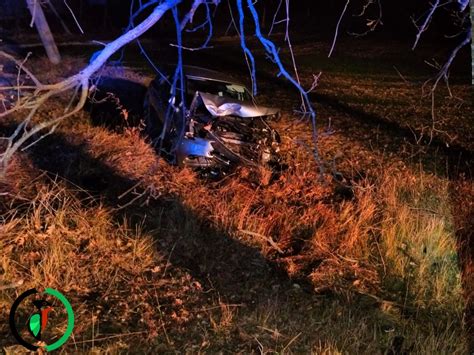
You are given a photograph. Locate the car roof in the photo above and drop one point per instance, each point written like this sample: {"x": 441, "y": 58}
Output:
{"x": 203, "y": 73}
{"x": 199, "y": 73}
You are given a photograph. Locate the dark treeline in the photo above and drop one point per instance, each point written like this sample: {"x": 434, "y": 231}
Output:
{"x": 316, "y": 18}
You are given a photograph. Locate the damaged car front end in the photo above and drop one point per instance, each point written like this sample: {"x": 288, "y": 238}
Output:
{"x": 222, "y": 132}
{"x": 222, "y": 127}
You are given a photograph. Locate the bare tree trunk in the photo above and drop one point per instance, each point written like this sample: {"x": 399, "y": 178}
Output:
{"x": 44, "y": 31}
{"x": 78, "y": 83}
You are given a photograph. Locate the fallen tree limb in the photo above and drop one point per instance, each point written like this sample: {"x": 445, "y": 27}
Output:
{"x": 76, "y": 83}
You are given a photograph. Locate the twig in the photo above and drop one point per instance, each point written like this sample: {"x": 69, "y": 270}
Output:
{"x": 12, "y": 285}
{"x": 74, "y": 16}
{"x": 425, "y": 24}
{"x": 337, "y": 28}
{"x": 58, "y": 16}
{"x": 291, "y": 342}
{"x": 218, "y": 307}
{"x": 110, "y": 337}
{"x": 268, "y": 239}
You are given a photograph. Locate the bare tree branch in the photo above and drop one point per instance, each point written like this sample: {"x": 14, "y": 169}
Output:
{"x": 78, "y": 82}
{"x": 336, "y": 32}
{"x": 424, "y": 26}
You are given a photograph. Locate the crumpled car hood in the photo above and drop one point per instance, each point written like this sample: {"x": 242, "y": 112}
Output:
{"x": 219, "y": 106}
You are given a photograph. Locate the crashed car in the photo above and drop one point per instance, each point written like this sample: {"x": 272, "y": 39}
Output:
{"x": 222, "y": 126}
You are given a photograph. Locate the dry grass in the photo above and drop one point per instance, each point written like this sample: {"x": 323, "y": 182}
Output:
{"x": 55, "y": 234}
{"x": 392, "y": 244}
{"x": 419, "y": 242}
{"x": 253, "y": 263}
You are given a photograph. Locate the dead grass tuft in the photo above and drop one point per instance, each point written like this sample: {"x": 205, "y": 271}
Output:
{"x": 419, "y": 242}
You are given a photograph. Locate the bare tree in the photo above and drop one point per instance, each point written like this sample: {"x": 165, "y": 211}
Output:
{"x": 78, "y": 85}
{"x": 422, "y": 24}
{"x": 39, "y": 20}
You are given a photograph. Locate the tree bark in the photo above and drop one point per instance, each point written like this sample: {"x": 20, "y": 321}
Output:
{"x": 44, "y": 31}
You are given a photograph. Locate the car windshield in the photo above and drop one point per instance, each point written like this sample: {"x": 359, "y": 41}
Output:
{"x": 220, "y": 88}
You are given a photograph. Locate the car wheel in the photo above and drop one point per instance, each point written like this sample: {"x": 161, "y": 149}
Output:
{"x": 154, "y": 125}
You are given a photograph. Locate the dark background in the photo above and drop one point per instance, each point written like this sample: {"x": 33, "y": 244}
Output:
{"x": 106, "y": 18}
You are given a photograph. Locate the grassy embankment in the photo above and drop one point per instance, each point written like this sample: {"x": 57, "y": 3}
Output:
{"x": 249, "y": 263}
